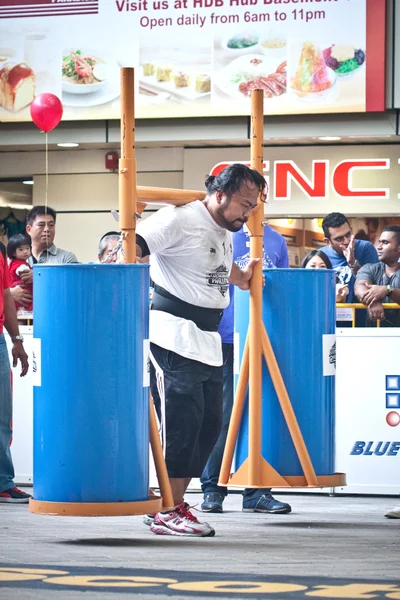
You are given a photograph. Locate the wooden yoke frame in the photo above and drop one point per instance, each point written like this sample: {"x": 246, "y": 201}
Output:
{"x": 255, "y": 472}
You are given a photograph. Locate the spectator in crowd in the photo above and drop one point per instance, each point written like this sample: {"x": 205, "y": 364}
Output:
{"x": 41, "y": 226}
{"x": 317, "y": 259}
{"x": 372, "y": 224}
{"x": 260, "y": 500}
{"x": 106, "y": 245}
{"x": 378, "y": 283}
{"x": 346, "y": 254}
{"x": 8, "y": 319}
{"x": 19, "y": 252}
{"x": 361, "y": 235}
{"x": 105, "y": 251}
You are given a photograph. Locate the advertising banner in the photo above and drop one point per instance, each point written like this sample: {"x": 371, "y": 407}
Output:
{"x": 368, "y": 410}
{"x": 309, "y": 180}
{"x": 193, "y": 57}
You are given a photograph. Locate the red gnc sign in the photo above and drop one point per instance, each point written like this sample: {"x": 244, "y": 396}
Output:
{"x": 339, "y": 176}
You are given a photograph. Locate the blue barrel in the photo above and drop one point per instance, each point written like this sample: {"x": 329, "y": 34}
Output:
{"x": 91, "y": 409}
{"x": 298, "y": 312}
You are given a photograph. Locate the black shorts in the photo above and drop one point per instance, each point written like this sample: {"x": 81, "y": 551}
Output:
{"x": 188, "y": 399}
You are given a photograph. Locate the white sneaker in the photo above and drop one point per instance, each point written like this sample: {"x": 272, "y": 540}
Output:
{"x": 394, "y": 513}
{"x": 180, "y": 522}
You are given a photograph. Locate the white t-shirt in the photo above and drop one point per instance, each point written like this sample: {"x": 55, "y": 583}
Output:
{"x": 191, "y": 258}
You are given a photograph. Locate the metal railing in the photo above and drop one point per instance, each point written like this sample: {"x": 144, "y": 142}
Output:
{"x": 358, "y": 306}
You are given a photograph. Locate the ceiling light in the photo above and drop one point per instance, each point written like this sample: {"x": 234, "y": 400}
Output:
{"x": 28, "y": 182}
{"x": 68, "y": 145}
{"x": 5, "y": 204}
{"x": 329, "y": 138}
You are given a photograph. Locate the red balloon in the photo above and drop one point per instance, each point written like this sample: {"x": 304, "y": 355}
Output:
{"x": 46, "y": 111}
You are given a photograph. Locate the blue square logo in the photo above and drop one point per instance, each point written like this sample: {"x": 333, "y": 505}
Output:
{"x": 393, "y": 400}
{"x": 393, "y": 382}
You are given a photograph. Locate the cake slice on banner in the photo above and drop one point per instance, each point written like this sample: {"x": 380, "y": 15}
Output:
{"x": 17, "y": 86}
{"x": 312, "y": 76}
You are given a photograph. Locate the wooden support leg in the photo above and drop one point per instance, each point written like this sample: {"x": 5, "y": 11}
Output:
{"x": 159, "y": 462}
{"x": 236, "y": 417}
{"x": 265, "y": 473}
{"x": 287, "y": 409}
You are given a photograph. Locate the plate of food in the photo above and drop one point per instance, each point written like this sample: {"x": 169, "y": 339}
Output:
{"x": 174, "y": 81}
{"x": 240, "y": 43}
{"x": 7, "y": 54}
{"x": 253, "y": 71}
{"x": 146, "y": 98}
{"x": 312, "y": 80}
{"x": 344, "y": 59}
{"x": 273, "y": 44}
{"x": 86, "y": 72}
{"x": 102, "y": 96}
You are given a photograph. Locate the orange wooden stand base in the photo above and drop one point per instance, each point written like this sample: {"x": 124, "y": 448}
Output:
{"x": 96, "y": 509}
{"x": 240, "y": 479}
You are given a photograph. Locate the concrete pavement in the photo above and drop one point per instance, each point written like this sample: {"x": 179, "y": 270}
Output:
{"x": 326, "y": 541}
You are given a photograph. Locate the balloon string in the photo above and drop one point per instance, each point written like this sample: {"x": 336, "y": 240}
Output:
{"x": 47, "y": 188}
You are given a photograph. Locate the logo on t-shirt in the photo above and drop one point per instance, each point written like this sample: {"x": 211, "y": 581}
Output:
{"x": 219, "y": 278}
{"x": 243, "y": 261}
{"x": 344, "y": 274}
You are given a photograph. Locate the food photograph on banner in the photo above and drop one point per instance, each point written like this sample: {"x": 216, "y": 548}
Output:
{"x": 178, "y": 76}
{"x": 88, "y": 77}
{"x": 79, "y": 65}
{"x": 197, "y": 60}
{"x": 315, "y": 73}
{"x": 90, "y": 71}
{"x": 29, "y": 66}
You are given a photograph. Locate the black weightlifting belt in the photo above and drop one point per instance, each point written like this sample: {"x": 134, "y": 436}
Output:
{"x": 207, "y": 319}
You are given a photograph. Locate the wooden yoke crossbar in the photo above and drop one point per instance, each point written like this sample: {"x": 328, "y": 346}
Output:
{"x": 149, "y": 195}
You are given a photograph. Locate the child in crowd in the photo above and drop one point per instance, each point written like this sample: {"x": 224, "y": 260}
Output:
{"x": 19, "y": 251}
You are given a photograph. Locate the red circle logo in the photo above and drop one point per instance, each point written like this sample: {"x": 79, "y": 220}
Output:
{"x": 393, "y": 418}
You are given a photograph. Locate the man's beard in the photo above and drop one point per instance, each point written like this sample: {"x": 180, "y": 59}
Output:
{"x": 232, "y": 226}
{"x": 338, "y": 251}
